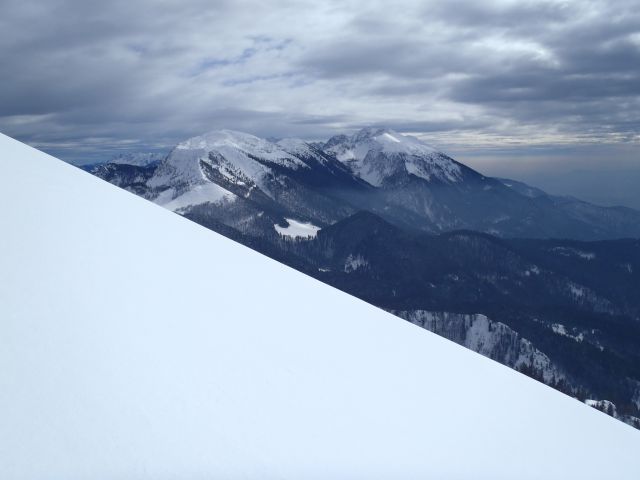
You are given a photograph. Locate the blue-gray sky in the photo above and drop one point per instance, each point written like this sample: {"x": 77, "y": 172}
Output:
{"x": 506, "y": 86}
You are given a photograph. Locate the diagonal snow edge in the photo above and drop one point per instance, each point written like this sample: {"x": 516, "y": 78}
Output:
{"x": 136, "y": 344}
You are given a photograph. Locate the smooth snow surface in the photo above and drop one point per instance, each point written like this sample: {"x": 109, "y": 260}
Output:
{"x": 297, "y": 229}
{"x": 203, "y": 193}
{"x": 194, "y": 357}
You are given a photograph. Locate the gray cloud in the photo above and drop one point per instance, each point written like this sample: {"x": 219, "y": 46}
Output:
{"x": 84, "y": 79}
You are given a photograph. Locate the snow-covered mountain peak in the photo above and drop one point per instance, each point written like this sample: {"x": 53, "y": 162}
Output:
{"x": 231, "y": 143}
{"x": 375, "y": 154}
{"x": 242, "y": 158}
{"x": 245, "y": 142}
{"x": 369, "y": 132}
{"x": 378, "y": 133}
{"x": 385, "y": 139}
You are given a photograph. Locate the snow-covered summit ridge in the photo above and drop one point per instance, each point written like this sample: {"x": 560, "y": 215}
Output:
{"x": 386, "y": 140}
{"x": 240, "y": 157}
{"x": 250, "y": 145}
{"x": 376, "y": 154}
{"x": 392, "y": 141}
{"x": 373, "y": 154}
{"x": 296, "y": 146}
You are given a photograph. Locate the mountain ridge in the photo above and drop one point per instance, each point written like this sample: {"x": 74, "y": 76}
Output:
{"x": 386, "y": 245}
{"x": 413, "y": 185}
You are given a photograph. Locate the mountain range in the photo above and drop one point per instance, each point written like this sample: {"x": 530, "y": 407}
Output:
{"x": 546, "y": 284}
{"x": 136, "y": 344}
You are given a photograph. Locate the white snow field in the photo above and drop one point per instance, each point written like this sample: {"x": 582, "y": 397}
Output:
{"x": 297, "y": 229}
{"x": 135, "y": 344}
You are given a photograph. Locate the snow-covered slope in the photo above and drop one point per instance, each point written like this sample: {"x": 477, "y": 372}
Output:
{"x": 242, "y": 177}
{"x": 491, "y": 339}
{"x": 241, "y": 158}
{"x": 136, "y": 344}
{"x": 376, "y": 154}
{"x": 197, "y": 195}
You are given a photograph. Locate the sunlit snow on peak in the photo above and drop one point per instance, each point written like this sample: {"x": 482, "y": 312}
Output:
{"x": 376, "y": 154}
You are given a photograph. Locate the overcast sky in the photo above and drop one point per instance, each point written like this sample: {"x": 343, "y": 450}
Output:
{"x": 500, "y": 84}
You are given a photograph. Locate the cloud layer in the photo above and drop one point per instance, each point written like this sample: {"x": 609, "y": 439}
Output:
{"x": 84, "y": 79}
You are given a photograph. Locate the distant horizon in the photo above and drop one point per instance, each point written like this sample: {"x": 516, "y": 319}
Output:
{"x": 589, "y": 181}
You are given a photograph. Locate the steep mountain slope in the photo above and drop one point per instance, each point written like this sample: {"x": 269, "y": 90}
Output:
{"x": 604, "y": 221}
{"x": 403, "y": 180}
{"x": 173, "y": 373}
{"x": 284, "y": 180}
{"x": 443, "y": 194}
{"x": 133, "y": 178}
{"x": 380, "y": 155}
{"x": 130, "y": 171}
{"x": 492, "y": 339}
